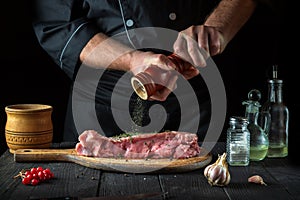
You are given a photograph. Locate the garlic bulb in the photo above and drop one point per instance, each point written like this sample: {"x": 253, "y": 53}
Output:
{"x": 218, "y": 174}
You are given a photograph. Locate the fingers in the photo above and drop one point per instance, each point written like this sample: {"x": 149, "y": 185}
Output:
{"x": 190, "y": 72}
{"x": 161, "y": 95}
{"x": 164, "y": 62}
{"x": 180, "y": 47}
{"x": 215, "y": 42}
{"x": 187, "y": 47}
{"x": 197, "y": 43}
{"x": 195, "y": 51}
{"x": 162, "y": 70}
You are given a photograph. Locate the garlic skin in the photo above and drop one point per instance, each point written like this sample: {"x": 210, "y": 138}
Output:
{"x": 256, "y": 179}
{"x": 217, "y": 173}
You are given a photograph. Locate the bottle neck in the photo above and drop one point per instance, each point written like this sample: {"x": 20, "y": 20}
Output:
{"x": 275, "y": 92}
{"x": 252, "y": 117}
{"x": 252, "y": 111}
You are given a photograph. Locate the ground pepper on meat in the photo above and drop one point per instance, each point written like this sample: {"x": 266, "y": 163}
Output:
{"x": 171, "y": 145}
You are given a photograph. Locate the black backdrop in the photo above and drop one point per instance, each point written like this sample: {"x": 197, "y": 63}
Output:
{"x": 28, "y": 75}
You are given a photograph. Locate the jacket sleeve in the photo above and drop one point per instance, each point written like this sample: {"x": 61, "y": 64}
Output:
{"x": 62, "y": 29}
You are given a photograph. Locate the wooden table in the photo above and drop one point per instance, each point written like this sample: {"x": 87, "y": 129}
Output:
{"x": 73, "y": 180}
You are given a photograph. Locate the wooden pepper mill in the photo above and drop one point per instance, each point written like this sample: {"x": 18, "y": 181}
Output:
{"x": 146, "y": 83}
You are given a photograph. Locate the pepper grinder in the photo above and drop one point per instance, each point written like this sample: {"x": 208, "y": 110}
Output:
{"x": 153, "y": 79}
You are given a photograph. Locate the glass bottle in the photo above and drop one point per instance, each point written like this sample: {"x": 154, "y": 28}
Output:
{"x": 259, "y": 141}
{"x": 277, "y": 129}
{"x": 238, "y": 142}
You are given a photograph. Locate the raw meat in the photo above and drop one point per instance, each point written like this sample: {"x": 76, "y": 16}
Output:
{"x": 172, "y": 144}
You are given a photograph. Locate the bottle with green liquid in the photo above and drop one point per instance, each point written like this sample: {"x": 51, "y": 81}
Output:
{"x": 278, "y": 127}
{"x": 259, "y": 142}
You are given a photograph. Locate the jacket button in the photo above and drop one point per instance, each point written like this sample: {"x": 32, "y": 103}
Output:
{"x": 129, "y": 22}
{"x": 172, "y": 16}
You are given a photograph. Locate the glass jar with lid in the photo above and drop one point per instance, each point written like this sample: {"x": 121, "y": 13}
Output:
{"x": 238, "y": 142}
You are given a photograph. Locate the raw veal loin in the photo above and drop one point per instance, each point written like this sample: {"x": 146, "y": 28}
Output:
{"x": 169, "y": 144}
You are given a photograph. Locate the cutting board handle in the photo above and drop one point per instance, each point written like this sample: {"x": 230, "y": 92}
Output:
{"x": 38, "y": 155}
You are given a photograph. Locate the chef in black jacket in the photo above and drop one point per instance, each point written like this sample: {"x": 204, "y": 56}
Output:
{"x": 101, "y": 44}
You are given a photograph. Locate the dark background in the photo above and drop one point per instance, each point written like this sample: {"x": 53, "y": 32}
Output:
{"x": 28, "y": 75}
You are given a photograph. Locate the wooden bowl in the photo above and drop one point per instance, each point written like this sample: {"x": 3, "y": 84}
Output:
{"x": 28, "y": 126}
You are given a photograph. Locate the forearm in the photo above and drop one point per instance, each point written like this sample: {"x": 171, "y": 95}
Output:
{"x": 230, "y": 15}
{"x": 102, "y": 52}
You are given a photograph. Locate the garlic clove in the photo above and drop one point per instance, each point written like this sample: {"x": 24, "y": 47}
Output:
{"x": 256, "y": 179}
{"x": 217, "y": 173}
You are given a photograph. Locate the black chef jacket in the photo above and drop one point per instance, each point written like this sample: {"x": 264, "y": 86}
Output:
{"x": 63, "y": 28}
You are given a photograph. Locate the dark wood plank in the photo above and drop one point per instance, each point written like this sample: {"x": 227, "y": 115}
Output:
{"x": 286, "y": 173}
{"x": 10, "y": 188}
{"x": 70, "y": 180}
{"x": 73, "y": 180}
{"x": 193, "y": 185}
{"x": 190, "y": 186}
{"x": 281, "y": 176}
{"x": 126, "y": 184}
{"x": 239, "y": 188}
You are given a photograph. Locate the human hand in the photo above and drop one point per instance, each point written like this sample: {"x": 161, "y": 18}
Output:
{"x": 183, "y": 67}
{"x": 162, "y": 68}
{"x": 196, "y": 43}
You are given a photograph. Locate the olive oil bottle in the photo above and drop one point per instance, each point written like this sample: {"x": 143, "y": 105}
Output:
{"x": 277, "y": 129}
{"x": 259, "y": 141}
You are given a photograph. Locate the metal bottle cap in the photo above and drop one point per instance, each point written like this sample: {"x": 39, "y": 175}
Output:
{"x": 275, "y": 81}
{"x": 238, "y": 119}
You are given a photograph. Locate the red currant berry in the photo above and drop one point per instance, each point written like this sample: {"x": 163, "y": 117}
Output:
{"x": 49, "y": 176}
{"x": 33, "y": 170}
{"x": 26, "y": 181}
{"x": 47, "y": 170}
{"x": 41, "y": 176}
{"x": 39, "y": 169}
{"x": 35, "y": 175}
{"x": 29, "y": 176}
{"x": 27, "y": 173}
{"x": 34, "y": 181}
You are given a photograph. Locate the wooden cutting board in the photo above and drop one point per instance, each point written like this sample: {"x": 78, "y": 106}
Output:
{"x": 114, "y": 164}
